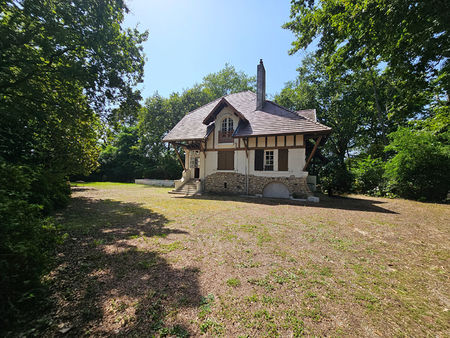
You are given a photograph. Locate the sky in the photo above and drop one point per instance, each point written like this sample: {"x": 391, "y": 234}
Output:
{"x": 189, "y": 39}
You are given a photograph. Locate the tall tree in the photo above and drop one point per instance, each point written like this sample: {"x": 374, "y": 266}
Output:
{"x": 344, "y": 103}
{"x": 63, "y": 65}
{"x": 227, "y": 81}
{"x": 409, "y": 38}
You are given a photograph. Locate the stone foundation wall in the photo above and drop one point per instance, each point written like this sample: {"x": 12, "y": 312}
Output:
{"x": 228, "y": 183}
{"x": 295, "y": 185}
{"x": 233, "y": 183}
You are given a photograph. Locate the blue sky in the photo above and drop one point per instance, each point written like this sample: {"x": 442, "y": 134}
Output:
{"x": 189, "y": 39}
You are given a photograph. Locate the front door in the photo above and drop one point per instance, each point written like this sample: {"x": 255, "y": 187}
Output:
{"x": 195, "y": 164}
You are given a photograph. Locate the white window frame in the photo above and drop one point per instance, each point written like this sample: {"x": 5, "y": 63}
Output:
{"x": 269, "y": 160}
{"x": 227, "y": 124}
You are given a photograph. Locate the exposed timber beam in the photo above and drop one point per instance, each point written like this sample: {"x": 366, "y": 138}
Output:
{"x": 246, "y": 146}
{"x": 312, "y": 153}
{"x": 178, "y": 155}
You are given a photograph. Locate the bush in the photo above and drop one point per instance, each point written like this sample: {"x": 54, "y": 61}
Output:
{"x": 368, "y": 174}
{"x": 420, "y": 168}
{"x": 169, "y": 168}
{"x": 27, "y": 239}
{"x": 335, "y": 177}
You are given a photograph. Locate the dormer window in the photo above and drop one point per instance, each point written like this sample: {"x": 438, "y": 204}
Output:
{"x": 226, "y": 131}
{"x": 227, "y": 124}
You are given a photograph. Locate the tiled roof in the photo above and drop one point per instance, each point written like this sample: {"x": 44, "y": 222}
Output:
{"x": 308, "y": 113}
{"x": 272, "y": 120}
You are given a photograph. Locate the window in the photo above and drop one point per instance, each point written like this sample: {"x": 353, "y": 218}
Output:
{"x": 225, "y": 160}
{"x": 227, "y": 124}
{"x": 268, "y": 160}
{"x": 226, "y": 131}
{"x": 264, "y": 160}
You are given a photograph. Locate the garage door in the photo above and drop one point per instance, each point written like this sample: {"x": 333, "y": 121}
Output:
{"x": 276, "y": 190}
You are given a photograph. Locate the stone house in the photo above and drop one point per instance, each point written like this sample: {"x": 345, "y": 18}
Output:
{"x": 244, "y": 144}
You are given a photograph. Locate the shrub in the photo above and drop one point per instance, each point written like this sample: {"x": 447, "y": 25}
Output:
{"x": 420, "y": 168}
{"x": 335, "y": 177}
{"x": 27, "y": 240}
{"x": 368, "y": 175}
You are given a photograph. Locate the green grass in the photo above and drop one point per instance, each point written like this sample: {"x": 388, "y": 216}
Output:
{"x": 234, "y": 282}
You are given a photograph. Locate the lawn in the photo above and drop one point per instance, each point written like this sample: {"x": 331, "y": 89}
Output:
{"x": 138, "y": 261}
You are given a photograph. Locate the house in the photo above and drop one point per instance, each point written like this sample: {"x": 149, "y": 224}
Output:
{"x": 244, "y": 144}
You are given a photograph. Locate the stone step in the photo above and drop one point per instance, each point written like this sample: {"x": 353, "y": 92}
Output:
{"x": 183, "y": 193}
{"x": 189, "y": 188}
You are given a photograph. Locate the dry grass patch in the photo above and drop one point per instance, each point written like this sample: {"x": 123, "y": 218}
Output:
{"x": 138, "y": 261}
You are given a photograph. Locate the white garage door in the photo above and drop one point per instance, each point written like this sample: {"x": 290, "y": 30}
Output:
{"x": 276, "y": 190}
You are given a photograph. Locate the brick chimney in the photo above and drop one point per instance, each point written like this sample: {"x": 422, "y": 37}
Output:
{"x": 260, "y": 86}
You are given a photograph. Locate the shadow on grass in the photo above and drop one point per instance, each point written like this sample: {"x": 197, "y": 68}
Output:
{"x": 338, "y": 202}
{"x": 105, "y": 284}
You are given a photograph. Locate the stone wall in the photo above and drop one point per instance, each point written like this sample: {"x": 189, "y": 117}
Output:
{"x": 234, "y": 183}
{"x": 296, "y": 185}
{"x": 157, "y": 183}
{"x": 223, "y": 182}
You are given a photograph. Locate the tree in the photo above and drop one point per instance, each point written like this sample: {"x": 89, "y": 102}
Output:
{"x": 227, "y": 81}
{"x": 122, "y": 160}
{"x": 346, "y": 104}
{"x": 63, "y": 66}
{"x": 409, "y": 38}
{"x": 394, "y": 54}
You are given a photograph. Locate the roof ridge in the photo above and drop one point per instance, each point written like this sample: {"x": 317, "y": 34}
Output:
{"x": 288, "y": 110}
{"x": 218, "y": 99}
{"x": 188, "y": 113}
{"x": 302, "y": 116}
{"x": 244, "y": 91}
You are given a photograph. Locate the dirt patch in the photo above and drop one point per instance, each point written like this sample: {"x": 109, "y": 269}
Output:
{"x": 140, "y": 262}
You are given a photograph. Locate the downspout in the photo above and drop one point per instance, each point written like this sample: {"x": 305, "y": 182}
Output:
{"x": 204, "y": 171}
{"x": 246, "y": 168}
{"x": 246, "y": 175}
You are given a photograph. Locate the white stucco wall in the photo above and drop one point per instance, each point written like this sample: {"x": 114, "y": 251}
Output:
{"x": 296, "y": 161}
{"x": 242, "y": 164}
{"x": 210, "y": 163}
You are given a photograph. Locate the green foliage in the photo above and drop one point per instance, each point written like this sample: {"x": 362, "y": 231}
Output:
{"x": 347, "y": 105}
{"x": 335, "y": 177}
{"x": 227, "y": 81}
{"x": 368, "y": 175}
{"x": 122, "y": 160}
{"x": 60, "y": 63}
{"x": 409, "y": 38}
{"x": 378, "y": 65}
{"x": 27, "y": 240}
{"x": 420, "y": 168}
{"x": 63, "y": 65}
